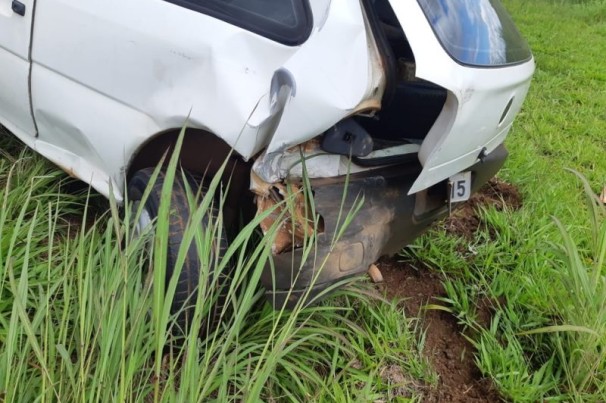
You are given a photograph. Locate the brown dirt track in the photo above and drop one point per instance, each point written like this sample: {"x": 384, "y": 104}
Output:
{"x": 450, "y": 353}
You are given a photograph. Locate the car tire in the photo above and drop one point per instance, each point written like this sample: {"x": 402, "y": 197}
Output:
{"x": 186, "y": 292}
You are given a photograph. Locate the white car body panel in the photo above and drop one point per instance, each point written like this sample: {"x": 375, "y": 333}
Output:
{"x": 15, "y": 34}
{"x": 15, "y": 30}
{"x": 471, "y": 119}
{"x": 106, "y": 78}
{"x": 15, "y": 111}
{"x": 147, "y": 75}
{"x": 141, "y": 77}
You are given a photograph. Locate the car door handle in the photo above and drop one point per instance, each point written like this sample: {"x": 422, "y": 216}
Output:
{"x": 18, "y": 7}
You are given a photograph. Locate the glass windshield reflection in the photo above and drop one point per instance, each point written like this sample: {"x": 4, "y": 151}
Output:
{"x": 476, "y": 32}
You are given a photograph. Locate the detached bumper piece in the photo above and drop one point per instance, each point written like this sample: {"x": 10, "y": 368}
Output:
{"x": 388, "y": 220}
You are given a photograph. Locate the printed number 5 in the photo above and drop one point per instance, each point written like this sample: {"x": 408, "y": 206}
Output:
{"x": 459, "y": 188}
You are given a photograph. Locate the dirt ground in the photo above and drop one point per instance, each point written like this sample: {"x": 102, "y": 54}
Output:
{"x": 448, "y": 350}
{"x": 465, "y": 221}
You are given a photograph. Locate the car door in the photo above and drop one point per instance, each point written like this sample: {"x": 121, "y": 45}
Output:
{"x": 15, "y": 38}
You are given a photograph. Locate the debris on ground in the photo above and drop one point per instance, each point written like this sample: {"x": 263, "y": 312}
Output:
{"x": 375, "y": 274}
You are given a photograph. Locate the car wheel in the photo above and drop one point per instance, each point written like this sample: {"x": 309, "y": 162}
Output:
{"x": 186, "y": 292}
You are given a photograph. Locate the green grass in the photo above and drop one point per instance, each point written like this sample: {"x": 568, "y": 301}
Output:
{"x": 548, "y": 336}
{"x": 84, "y": 316}
{"x": 81, "y": 320}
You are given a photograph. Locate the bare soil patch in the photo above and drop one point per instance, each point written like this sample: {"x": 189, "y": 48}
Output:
{"x": 450, "y": 353}
{"x": 466, "y": 220}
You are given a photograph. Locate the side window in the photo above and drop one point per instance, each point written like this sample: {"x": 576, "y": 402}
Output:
{"x": 285, "y": 21}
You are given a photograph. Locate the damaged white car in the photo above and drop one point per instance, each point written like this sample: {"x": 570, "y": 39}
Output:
{"x": 408, "y": 101}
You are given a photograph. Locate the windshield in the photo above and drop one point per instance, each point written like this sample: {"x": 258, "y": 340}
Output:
{"x": 476, "y": 32}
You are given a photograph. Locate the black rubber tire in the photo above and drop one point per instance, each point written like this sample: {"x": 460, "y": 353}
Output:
{"x": 186, "y": 292}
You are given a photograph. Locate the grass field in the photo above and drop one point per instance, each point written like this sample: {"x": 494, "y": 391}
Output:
{"x": 516, "y": 259}
{"x": 71, "y": 329}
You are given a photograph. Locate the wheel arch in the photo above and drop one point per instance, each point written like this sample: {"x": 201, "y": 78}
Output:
{"x": 202, "y": 151}
{"x": 202, "y": 154}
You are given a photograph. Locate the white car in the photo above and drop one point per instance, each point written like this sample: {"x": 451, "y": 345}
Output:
{"x": 410, "y": 100}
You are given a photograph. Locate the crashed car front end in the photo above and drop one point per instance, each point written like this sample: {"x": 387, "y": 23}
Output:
{"x": 407, "y": 129}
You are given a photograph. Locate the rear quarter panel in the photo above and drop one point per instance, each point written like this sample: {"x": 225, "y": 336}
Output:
{"x": 108, "y": 74}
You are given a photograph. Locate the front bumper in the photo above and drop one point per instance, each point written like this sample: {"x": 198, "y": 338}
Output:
{"x": 389, "y": 220}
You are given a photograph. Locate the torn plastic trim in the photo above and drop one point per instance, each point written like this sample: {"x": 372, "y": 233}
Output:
{"x": 285, "y": 199}
{"x": 289, "y": 206}
{"x": 274, "y": 167}
{"x": 316, "y": 163}
{"x": 389, "y": 219}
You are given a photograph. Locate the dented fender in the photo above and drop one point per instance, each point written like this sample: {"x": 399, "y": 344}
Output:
{"x": 337, "y": 73}
{"x": 141, "y": 81}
